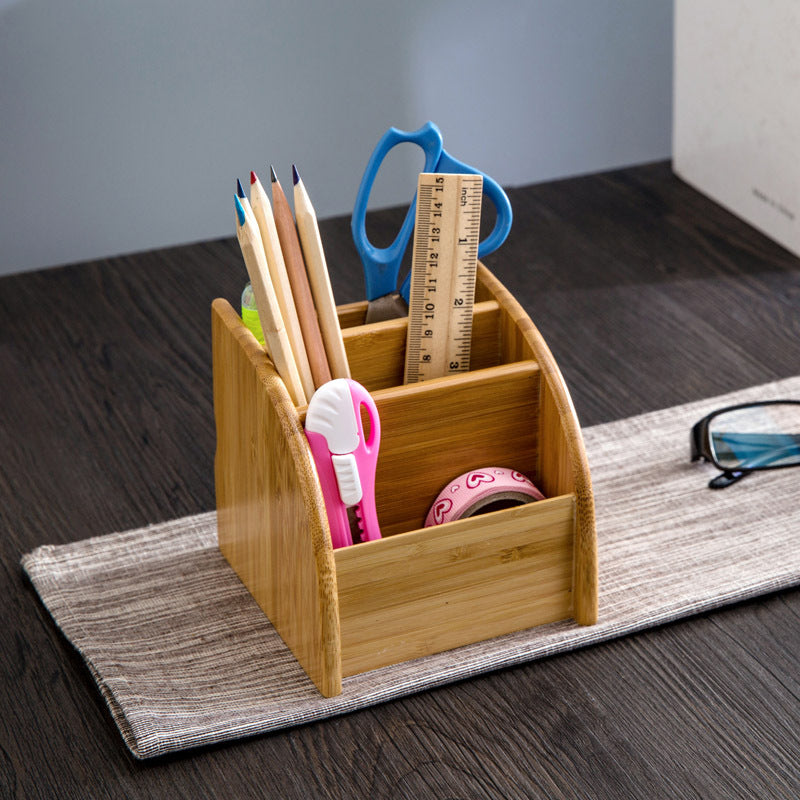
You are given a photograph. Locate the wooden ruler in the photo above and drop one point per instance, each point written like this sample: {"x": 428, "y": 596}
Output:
{"x": 443, "y": 269}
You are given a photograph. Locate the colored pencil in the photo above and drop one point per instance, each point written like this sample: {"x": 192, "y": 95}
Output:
{"x": 298, "y": 279}
{"x": 280, "y": 280}
{"x": 318, "y": 277}
{"x": 269, "y": 312}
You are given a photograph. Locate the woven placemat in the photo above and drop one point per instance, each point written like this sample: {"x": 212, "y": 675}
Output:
{"x": 184, "y": 657}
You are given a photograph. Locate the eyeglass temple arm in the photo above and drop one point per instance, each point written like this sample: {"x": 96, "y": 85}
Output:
{"x": 724, "y": 479}
{"x": 727, "y": 478}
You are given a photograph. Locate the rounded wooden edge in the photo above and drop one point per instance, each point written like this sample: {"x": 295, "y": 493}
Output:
{"x": 585, "y": 590}
{"x": 310, "y": 490}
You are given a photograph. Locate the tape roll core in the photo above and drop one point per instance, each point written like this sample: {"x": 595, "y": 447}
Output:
{"x": 480, "y": 491}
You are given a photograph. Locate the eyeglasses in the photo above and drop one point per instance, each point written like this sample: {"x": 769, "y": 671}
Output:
{"x": 748, "y": 438}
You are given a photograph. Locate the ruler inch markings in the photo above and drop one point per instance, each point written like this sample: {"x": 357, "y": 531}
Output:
{"x": 443, "y": 275}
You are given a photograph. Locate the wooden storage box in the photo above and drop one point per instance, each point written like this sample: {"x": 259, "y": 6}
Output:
{"x": 417, "y": 590}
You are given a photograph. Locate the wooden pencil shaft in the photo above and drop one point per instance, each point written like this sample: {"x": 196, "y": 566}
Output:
{"x": 301, "y": 291}
{"x": 280, "y": 279}
{"x": 269, "y": 311}
{"x": 319, "y": 279}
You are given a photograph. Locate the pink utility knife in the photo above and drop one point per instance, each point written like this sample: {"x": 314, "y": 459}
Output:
{"x": 344, "y": 457}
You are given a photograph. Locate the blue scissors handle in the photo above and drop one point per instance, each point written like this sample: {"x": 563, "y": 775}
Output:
{"x": 382, "y": 265}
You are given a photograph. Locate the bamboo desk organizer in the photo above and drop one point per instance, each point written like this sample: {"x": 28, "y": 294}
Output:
{"x": 417, "y": 590}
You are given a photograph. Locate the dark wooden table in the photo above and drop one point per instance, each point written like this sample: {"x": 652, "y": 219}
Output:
{"x": 648, "y": 294}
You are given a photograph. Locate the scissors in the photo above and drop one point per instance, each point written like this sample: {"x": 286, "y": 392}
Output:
{"x": 382, "y": 265}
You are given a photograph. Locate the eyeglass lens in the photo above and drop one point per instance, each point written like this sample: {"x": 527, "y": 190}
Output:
{"x": 756, "y": 437}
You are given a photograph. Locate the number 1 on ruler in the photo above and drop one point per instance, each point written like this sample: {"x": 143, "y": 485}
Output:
{"x": 443, "y": 269}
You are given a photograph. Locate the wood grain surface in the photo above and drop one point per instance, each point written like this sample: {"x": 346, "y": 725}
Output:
{"x": 437, "y": 589}
{"x": 455, "y": 584}
{"x": 647, "y": 293}
{"x": 271, "y": 522}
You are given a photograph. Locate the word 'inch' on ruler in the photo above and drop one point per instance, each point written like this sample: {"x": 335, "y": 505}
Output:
{"x": 443, "y": 272}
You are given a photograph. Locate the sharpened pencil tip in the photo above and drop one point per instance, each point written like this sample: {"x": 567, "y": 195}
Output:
{"x": 239, "y": 210}
{"x": 295, "y": 175}
{"x": 272, "y": 175}
{"x": 253, "y": 177}
{"x": 239, "y": 189}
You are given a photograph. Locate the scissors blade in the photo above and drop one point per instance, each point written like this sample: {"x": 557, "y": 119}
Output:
{"x": 387, "y": 306}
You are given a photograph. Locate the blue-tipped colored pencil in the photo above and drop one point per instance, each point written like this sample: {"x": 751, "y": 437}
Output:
{"x": 269, "y": 312}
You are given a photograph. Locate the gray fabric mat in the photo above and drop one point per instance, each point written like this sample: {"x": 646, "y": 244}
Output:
{"x": 184, "y": 657}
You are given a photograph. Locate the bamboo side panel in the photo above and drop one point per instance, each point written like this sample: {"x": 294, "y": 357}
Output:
{"x": 555, "y": 462}
{"x": 493, "y": 574}
{"x": 563, "y": 463}
{"x": 271, "y": 522}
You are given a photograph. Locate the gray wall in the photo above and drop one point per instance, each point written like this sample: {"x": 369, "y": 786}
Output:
{"x": 123, "y": 125}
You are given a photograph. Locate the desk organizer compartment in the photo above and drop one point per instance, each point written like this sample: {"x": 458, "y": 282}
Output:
{"x": 417, "y": 590}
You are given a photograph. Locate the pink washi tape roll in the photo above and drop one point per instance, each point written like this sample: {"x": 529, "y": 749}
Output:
{"x": 480, "y": 491}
